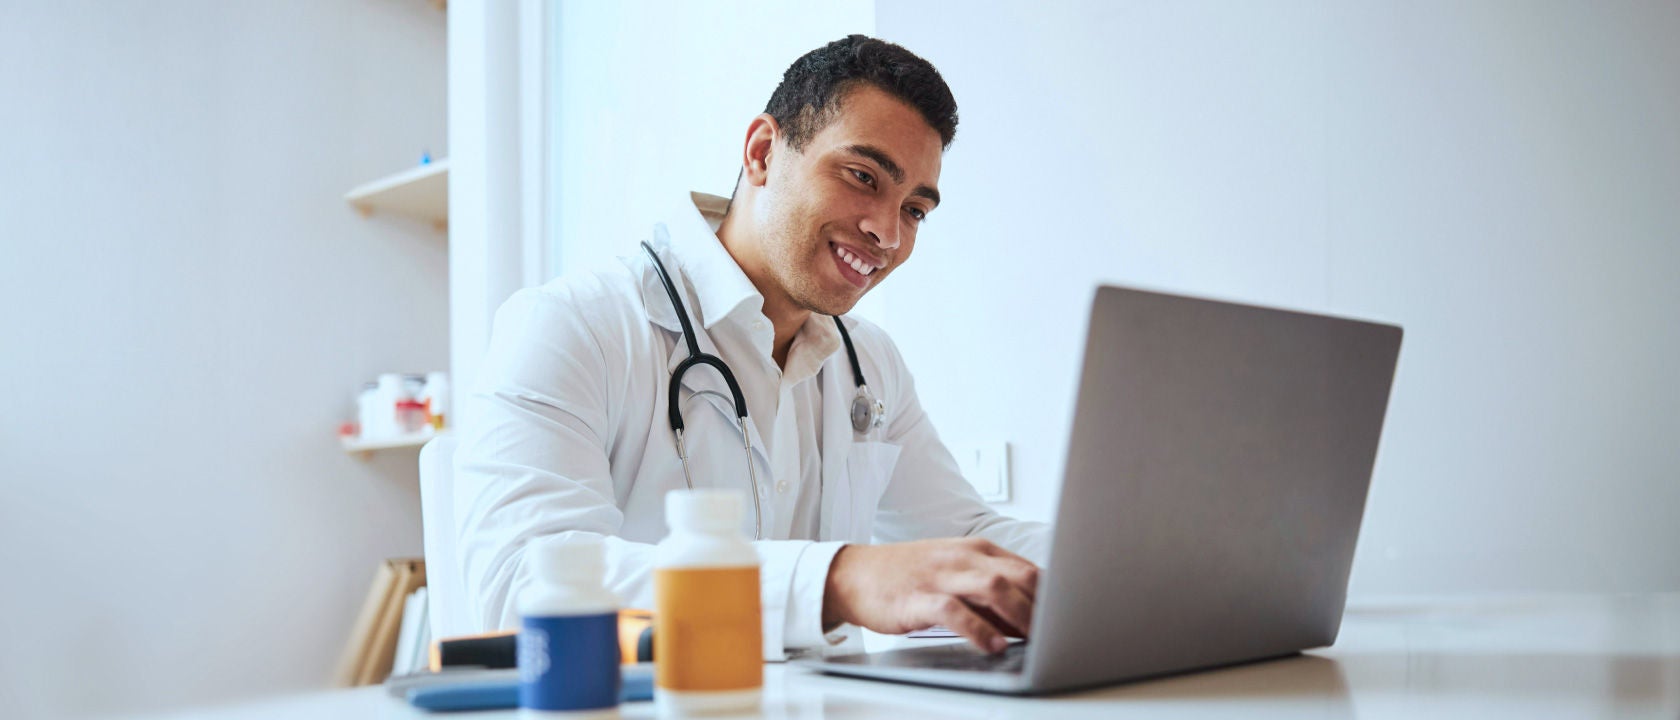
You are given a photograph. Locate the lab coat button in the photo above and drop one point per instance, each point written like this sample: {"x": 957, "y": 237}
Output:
{"x": 781, "y": 487}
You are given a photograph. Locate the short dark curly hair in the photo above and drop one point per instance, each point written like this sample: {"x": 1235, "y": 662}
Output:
{"x": 812, "y": 89}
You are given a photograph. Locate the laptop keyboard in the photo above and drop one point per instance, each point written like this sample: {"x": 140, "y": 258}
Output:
{"x": 950, "y": 656}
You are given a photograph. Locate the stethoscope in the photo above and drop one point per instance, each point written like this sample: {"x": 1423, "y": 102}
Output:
{"x": 867, "y": 412}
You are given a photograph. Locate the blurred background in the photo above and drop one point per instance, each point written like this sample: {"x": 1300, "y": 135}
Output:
{"x": 219, "y": 220}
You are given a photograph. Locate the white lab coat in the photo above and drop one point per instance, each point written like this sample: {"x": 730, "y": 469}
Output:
{"x": 571, "y": 440}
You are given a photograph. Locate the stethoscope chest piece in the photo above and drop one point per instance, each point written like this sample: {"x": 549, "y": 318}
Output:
{"x": 867, "y": 412}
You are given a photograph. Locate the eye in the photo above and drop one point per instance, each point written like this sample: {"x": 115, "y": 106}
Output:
{"x": 916, "y": 213}
{"x": 863, "y": 177}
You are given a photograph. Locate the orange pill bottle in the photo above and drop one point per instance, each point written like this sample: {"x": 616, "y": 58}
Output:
{"x": 707, "y": 624}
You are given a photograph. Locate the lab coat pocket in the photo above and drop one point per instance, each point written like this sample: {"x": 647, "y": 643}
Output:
{"x": 869, "y": 467}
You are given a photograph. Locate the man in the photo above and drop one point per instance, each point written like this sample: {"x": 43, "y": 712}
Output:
{"x": 573, "y": 439}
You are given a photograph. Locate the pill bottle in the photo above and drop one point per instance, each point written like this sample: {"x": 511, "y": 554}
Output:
{"x": 436, "y": 398}
{"x": 708, "y": 634}
{"x": 367, "y": 408}
{"x": 568, "y": 637}
{"x": 411, "y": 408}
{"x": 386, "y": 395}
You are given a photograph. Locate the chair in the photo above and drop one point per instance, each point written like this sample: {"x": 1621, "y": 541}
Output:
{"x": 446, "y": 592}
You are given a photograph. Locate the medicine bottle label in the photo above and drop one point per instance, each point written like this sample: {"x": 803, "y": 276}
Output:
{"x": 707, "y": 633}
{"x": 569, "y": 662}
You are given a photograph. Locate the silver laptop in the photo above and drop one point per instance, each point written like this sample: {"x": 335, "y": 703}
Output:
{"x": 1215, "y": 481}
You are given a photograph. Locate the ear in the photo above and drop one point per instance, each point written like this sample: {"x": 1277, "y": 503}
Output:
{"x": 762, "y": 134}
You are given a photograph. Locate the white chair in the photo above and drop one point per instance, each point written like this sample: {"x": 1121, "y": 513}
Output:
{"x": 446, "y": 592}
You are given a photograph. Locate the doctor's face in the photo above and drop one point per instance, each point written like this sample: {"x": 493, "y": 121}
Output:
{"x": 842, "y": 214}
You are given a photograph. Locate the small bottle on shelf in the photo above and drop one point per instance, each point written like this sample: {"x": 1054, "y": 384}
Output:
{"x": 436, "y": 398}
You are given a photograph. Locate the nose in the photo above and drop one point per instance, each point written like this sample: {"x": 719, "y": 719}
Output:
{"x": 882, "y": 228}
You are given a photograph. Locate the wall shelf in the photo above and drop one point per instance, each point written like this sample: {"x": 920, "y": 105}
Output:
{"x": 363, "y": 447}
{"x": 419, "y": 192}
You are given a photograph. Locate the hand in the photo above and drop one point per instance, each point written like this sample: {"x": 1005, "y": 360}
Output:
{"x": 979, "y": 590}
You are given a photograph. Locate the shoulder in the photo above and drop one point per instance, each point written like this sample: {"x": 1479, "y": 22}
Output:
{"x": 601, "y": 296}
{"x": 606, "y": 290}
{"x": 600, "y": 307}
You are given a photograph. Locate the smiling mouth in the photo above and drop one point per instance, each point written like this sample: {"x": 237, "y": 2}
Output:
{"x": 855, "y": 269}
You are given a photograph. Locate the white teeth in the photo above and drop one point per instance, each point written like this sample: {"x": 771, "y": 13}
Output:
{"x": 857, "y": 263}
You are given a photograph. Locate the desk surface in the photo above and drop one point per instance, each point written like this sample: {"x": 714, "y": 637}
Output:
{"x": 1527, "y": 657}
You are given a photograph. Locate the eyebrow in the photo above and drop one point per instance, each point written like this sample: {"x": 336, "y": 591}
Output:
{"x": 881, "y": 158}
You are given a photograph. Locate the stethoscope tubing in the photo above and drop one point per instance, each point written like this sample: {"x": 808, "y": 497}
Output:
{"x": 867, "y": 412}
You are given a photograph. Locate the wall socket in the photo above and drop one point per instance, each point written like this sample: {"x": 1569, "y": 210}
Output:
{"x": 986, "y": 467}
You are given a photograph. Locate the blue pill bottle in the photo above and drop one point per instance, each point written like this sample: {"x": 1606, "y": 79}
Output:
{"x": 568, "y": 636}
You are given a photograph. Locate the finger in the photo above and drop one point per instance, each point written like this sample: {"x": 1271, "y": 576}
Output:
{"x": 1001, "y": 602}
{"x": 952, "y": 612}
{"x": 997, "y": 622}
{"x": 997, "y": 574}
{"x": 1021, "y": 571}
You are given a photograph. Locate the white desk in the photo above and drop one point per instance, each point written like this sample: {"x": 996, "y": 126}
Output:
{"x": 1520, "y": 657}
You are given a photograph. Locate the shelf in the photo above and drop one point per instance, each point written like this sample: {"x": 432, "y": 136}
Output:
{"x": 420, "y": 192}
{"x": 355, "y": 445}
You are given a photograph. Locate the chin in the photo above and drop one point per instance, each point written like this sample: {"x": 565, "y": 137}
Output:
{"x": 832, "y": 305}
{"x": 843, "y": 308}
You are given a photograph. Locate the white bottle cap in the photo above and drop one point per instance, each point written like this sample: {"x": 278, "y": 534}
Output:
{"x": 711, "y": 510}
{"x": 572, "y": 562}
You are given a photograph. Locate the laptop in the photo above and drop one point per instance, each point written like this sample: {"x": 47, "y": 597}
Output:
{"x": 1215, "y": 481}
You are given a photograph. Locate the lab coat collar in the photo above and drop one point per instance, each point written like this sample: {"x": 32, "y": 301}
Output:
{"x": 686, "y": 241}
{"x": 660, "y": 311}
{"x": 682, "y": 266}
{"x": 719, "y": 283}
{"x": 713, "y": 286}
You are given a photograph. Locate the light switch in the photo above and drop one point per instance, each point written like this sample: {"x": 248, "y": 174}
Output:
{"x": 986, "y": 467}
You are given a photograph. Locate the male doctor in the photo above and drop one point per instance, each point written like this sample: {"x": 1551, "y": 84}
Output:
{"x": 573, "y": 440}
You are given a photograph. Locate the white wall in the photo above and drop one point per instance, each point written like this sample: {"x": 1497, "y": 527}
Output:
{"x": 1501, "y": 178}
{"x": 188, "y": 305}
{"x": 652, "y": 99}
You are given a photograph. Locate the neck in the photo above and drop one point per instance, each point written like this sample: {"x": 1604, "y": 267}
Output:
{"x": 742, "y": 243}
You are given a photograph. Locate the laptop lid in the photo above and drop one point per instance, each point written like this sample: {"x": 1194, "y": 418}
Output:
{"x": 1215, "y": 481}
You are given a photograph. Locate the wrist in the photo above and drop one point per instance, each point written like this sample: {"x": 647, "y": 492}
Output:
{"x": 833, "y": 609}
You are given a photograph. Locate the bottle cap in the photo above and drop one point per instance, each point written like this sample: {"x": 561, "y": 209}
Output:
{"x": 710, "y": 510}
{"x": 569, "y": 562}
